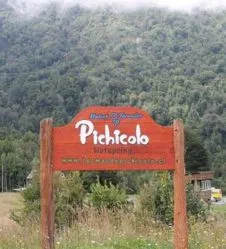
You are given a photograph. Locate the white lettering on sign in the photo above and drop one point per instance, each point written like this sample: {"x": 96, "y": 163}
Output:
{"x": 87, "y": 129}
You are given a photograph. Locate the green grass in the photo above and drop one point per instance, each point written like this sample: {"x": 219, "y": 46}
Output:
{"x": 119, "y": 243}
{"x": 218, "y": 209}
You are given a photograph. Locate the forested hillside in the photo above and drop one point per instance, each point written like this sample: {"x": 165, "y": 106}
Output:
{"x": 171, "y": 64}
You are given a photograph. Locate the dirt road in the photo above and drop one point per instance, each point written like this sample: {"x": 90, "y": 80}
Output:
{"x": 8, "y": 202}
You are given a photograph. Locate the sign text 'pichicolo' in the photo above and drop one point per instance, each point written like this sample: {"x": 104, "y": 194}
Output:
{"x": 87, "y": 129}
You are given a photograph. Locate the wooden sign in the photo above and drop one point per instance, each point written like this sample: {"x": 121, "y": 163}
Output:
{"x": 112, "y": 138}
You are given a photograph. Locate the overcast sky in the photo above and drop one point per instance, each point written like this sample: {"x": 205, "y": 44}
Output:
{"x": 182, "y": 5}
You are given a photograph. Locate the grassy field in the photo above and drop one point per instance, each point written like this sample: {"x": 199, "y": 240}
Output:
{"x": 105, "y": 230}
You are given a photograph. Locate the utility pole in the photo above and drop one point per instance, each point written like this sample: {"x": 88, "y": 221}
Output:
{"x": 2, "y": 178}
{"x": 6, "y": 181}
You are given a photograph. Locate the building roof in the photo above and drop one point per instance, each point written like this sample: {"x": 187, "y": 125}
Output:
{"x": 201, "y": 175}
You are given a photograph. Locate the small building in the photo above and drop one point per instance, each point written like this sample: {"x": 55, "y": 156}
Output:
{"x": 201, "y": 182}
{"x": 30, "y": 176}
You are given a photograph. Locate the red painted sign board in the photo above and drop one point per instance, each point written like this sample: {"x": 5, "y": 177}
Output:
{"x": 113, "y": 138}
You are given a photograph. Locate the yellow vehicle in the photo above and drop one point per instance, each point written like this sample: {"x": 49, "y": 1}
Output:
{"x": 216, "y": 194}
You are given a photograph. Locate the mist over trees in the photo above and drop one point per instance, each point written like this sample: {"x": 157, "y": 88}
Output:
{"x": 170, "y": 64}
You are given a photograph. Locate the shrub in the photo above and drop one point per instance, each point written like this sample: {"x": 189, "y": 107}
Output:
{"x": 31, "y": 204}
{"x": 195, "y": 206}
{"x": 156, "y": 198}
{"x": 107, "y": 196}
{"x": 69, "y": 195}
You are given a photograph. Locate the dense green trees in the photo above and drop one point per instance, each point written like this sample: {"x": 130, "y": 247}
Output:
{"x": 18, "y": 156}
{"x": 170, "y": 64}
{"x": 196, "y": 156}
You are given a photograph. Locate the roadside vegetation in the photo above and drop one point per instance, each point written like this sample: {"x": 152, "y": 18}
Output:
{"x": 105, "y": 219}
{"x": 118, "y": 230}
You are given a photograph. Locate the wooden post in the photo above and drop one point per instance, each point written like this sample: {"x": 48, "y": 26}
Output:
{"x": 46, "y": 184}
{"x": 180, "y": 213}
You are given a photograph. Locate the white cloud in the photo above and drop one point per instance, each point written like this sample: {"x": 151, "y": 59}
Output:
{"x": 34, "y": 6}
{"x": 186, "y": 5}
